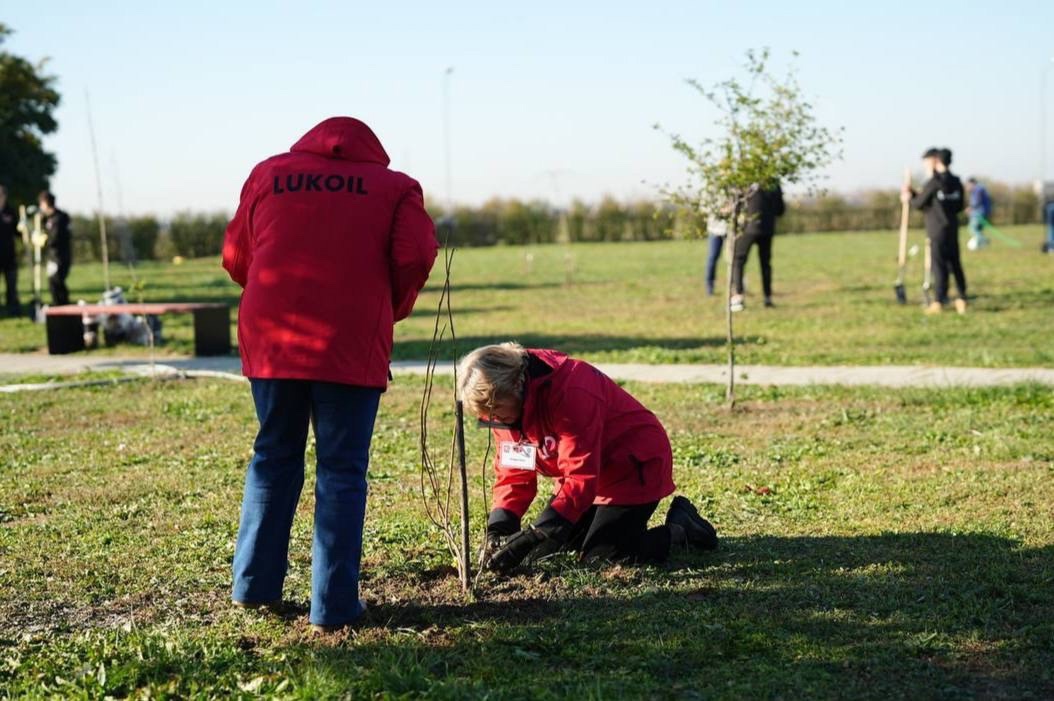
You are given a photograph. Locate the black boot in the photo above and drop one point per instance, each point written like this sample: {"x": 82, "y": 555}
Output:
{"x": 697, "y": 530}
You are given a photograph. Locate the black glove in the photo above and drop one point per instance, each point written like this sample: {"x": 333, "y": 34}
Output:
{"x": 501, "y": 525}
{"x": 518, "y": 547}
{"x": 546, "y": 536}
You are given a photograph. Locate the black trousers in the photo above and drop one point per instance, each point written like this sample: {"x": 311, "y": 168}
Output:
{"x": 10, "y": 271}
{"x": 944, "y": 259}
{"x": 620, "y": 533}
{"x": 744, "y": 242}
{"x": 60, "y": 294}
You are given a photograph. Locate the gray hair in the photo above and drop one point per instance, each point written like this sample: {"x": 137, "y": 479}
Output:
{"x": 491, "y": 374}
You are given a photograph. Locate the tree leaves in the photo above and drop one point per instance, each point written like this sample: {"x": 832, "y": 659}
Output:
{"x": 769, "y": 135}
{"x": 27, "y": 102}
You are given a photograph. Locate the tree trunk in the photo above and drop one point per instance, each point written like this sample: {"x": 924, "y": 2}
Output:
{"x": 730, "y": 340}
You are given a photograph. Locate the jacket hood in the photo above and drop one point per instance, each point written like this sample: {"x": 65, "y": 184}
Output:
{"x": 535, "y": 411}
{"x": 345, "y": 138}
{"x": 553, "y": 359}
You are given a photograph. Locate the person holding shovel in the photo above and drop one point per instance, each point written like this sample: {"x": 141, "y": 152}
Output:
{"x": 558, "y": 417}
{"x": 331, "y": 248}
{"x": 941, "y": 199}
{"x": 60, "y": 247}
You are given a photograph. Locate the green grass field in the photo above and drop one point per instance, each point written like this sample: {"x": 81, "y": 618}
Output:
{"x": 903, "y": 548}
{"x": 644, "y": 302}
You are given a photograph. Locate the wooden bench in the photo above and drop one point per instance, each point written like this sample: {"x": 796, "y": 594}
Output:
{"x": 212, "y": 324}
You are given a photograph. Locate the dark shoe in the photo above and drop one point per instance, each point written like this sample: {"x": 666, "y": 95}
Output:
{"x": 699, "y": 531}
{"x": 255, "y": 604}
{"x": 325, "y": 629}
{"x": 768, "y": 302}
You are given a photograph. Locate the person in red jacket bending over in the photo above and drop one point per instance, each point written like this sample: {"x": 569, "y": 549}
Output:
{"x": 611, "y": 459}
{"x": 331, "y": 248}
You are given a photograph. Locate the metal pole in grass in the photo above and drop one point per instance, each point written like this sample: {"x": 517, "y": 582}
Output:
{"x": 466, "y": 558}
{"x": 98, "y": 188}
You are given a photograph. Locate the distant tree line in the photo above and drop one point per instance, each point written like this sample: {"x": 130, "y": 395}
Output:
{"x": 880, "y": 209}
{"x": 187, "y": 234}
{"x": 517, "y": 222}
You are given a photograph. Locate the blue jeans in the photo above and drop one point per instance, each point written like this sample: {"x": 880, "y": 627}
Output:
{"x": 343, "y": 417}
{"x": 977, "y": 225}
{"x": 712, "y": 256}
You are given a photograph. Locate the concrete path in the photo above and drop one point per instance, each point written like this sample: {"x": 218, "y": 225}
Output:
{"x": 882, "y": 376}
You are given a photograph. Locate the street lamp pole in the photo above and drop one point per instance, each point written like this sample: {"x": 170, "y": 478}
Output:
{"x": 446, "y": 139}
{"x": 1042, "y": 124}
{"x": 1043, "y": 121}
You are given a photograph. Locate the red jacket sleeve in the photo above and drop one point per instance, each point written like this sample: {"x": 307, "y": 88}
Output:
{"x": 413, "y": 251}
{"x": 579, "y": 424}
{"x": 514, "y": 490}
{"x": 237, "y": 240}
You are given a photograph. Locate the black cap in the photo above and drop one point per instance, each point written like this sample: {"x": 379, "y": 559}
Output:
{"x": 946, "y": 156}
{"x": 932, "y": 152}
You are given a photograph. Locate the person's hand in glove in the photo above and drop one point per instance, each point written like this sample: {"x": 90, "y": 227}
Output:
{"x": 502, "y": 525}
{"x": 548, "y": 533}
{"x": 516, "y": 549}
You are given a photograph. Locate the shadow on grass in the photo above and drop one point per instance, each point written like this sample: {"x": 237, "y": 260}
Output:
{"x": 495, "y": 286}
{"x": 416, "y": 349}
{"x": 1018, "y": 299}
{"x": 429, "y": 312}
{"x": 919, "y": 615}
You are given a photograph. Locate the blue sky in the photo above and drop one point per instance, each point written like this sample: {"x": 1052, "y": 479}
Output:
{"x": 548, "y": 99}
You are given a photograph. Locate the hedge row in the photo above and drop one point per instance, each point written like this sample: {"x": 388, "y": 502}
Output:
{"x": 514, "y": 222}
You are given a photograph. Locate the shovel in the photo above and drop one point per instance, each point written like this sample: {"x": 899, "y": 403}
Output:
{"x": 34, "y": 239}
{"x": 38, "y": 239}
{"x": 902, "y": 248}
{"x": 927, "y": 298}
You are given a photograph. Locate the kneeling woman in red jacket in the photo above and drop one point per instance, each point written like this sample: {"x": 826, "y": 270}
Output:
{"x": 611, "y": 459}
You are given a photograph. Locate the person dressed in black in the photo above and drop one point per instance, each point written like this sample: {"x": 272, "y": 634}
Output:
{"x": 942, "y": 199}
{"x": 8, "y": 261}
{"x": 764, "y": 205}
{"x": 60, "y": 253}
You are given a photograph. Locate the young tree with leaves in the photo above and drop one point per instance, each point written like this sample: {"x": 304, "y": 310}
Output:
{"x": 27, "y": 102}
{"x": 769, "y": 135}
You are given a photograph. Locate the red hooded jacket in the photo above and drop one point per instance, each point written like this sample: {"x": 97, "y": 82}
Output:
{"x": 331, "y": 248}
{"x": 599, "y": 443}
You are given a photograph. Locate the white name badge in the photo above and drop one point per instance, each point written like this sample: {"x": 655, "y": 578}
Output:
{"x": 518, "y": 456}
